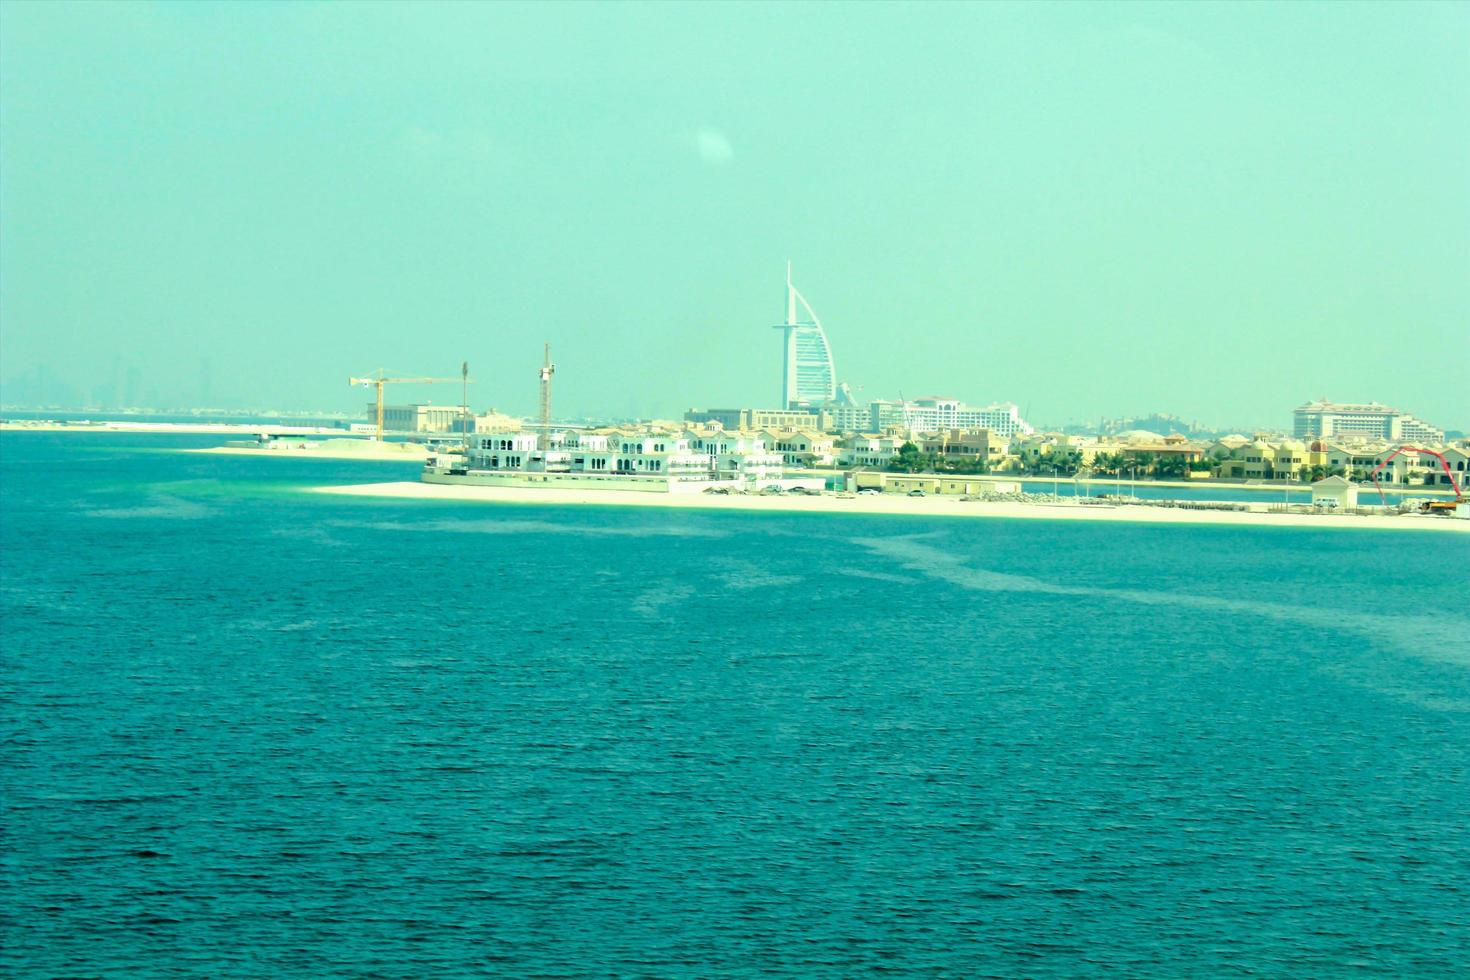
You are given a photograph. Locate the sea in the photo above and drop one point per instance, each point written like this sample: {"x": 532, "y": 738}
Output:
{"x": 247, "y": 730}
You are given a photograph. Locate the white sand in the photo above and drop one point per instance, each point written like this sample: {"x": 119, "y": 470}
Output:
{"x": 391, "y": 452}
{"x": 932, "y": 506}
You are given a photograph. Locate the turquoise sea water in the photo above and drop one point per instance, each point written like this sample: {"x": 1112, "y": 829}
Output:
{"x": 249, "y": 731}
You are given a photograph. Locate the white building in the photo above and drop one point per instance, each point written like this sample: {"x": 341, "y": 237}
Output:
{"x": 1324, "y": 419}
{"x": 739, "y": 456}
{"x": 615, "y": 459}
{"x": 1335, "y": 492}
{"x": 942, "y": 414}
{"x": 861, "y": 450}
{"x": 807, "y": 373}
{"x": 801, "y": 447}
{"x": 848, "y": 418}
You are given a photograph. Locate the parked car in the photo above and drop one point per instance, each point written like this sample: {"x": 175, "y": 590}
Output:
{"x": 868, "y": 490}
{"x": 916, "y": 492}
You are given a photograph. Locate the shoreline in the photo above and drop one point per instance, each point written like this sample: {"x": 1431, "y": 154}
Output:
{"x": 1092, "y": 486}
{"x": 376, "y": 455}
{"x": 175, "y": 428}
{"x": 889, "y": 504}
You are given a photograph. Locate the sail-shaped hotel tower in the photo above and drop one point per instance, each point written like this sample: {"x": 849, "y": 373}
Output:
{"x": 807, "y": 376}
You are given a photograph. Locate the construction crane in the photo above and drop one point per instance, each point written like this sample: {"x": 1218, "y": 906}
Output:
{"x": 379, "y": 380}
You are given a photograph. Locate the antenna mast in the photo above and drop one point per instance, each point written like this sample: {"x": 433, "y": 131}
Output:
{"x": 464, "y": 407}
{"x": 547, "y": 369}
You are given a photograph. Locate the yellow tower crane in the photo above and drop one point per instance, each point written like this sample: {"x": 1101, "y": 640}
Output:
{"x": 379, "y": 380}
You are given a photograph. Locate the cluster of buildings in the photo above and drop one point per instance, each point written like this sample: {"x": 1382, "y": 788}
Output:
{"x": 707, "y": 452}
{"x": 430, "y": 419}
{"x": 811, "y": 397}
{"x": 928, "y": 414}
{"x": 1259, "y": 458}
{"x": 653, "y": 458}
{"x": 818, "y": 425}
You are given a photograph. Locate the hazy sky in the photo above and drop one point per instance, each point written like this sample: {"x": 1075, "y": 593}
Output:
{"x": 1214, "y": 210}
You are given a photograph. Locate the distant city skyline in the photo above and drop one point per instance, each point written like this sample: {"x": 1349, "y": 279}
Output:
{"x": 1093, "y": 211}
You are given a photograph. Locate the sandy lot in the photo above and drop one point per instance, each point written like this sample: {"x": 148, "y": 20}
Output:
{"x": 932, "y": 506}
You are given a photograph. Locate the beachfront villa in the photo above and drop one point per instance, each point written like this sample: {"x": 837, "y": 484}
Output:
{"x": 967, "y": 445}
{"x": 689, "y": 460}
{"x": 802, "y": 447}
{"x": 1034, "y": 450}
{"x": 1262, "y": 460}
{"x": 870, "y": 450}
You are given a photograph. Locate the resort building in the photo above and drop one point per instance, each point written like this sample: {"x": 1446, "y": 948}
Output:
{"x": 923, "y": 415}
{"x": 438, "y": 418}
{"x": 917, "y": 417}
{"x": 807, "y": 374}
{"x": 1323, "y": 419}
{"x": 761, "y": 418}
{"x": 417, "y": 418}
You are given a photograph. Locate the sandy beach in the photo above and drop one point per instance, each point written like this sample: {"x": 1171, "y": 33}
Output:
{"x": 932, "y": 506}
{"x": 385, "y": 452}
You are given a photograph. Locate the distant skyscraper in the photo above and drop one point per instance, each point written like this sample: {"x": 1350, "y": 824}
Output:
{"x": 807, "y": 375}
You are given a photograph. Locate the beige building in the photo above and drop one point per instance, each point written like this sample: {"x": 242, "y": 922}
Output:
{"x": 1033, "y": 451}
{"x": 1263, "y": 460}
{"x": 967, "y": 444}
{"x": 761, "y": 418}
{"x": 417, "y": 418}
{"x": 493, "y": 421}
{"x": 942, "y": 484}
{"x": 438, "y": 418}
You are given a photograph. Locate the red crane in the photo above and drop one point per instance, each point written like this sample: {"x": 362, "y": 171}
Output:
{"x": 1459, "y": 495}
